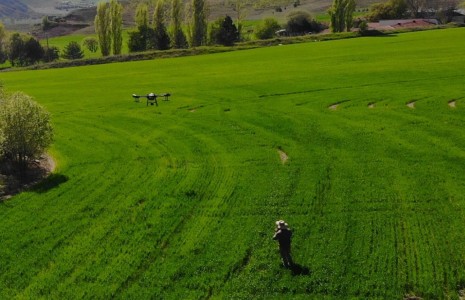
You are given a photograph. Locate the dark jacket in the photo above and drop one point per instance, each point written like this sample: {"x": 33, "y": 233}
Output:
{"x": 283, "y": 236}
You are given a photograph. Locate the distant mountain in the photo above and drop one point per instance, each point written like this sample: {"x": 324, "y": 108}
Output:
{"x": 14, "y": 9}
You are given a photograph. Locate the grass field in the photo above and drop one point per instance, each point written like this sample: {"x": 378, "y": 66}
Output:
{"x": 179, "y": 200}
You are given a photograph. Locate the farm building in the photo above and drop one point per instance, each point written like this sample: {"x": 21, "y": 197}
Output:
{"x": 403, "y": 23}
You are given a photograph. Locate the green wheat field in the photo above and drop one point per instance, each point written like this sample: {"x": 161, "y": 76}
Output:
{"x": 358, "y": 144}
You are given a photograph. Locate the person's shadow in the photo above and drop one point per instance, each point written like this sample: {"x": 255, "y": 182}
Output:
{"x": 299, "y": 270}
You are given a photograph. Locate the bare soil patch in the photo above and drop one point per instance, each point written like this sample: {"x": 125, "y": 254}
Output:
{"x": 411, "y": 104}
{"x": 334, "y": 106}
{"x": 371, "y": 105}
{"x": 452, "y": 104}
{"x": 283, "y": 156}
{"x": 11, "y": 183}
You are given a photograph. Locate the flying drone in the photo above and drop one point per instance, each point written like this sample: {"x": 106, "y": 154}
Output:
{"x": 151, "y": 98}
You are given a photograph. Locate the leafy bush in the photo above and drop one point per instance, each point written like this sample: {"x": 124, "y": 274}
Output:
{"x": 141, "y": 39}
{"x": 267, "y": 28}
{"x": 301, "y": 22}
{"x": 223, "y": 32}
{"x": 25, "y": 128}
{"x": 24, "y": 50}
{"x": 91, "y": 44}
{"x": 73, "y": 51}
{"x": 51, "y": 54}
{"x": 393, "y": 9}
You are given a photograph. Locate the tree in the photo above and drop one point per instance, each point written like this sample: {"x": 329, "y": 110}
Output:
{"x": 349, "y": 14}
{"x": 16, "y": 53}
{"x": 91, "y": 44}
{"x": 34, "y": 51}
{"x": 241, "y": 8}
{"x": 116, "y": 25}
{"x": 301, "y": 22}
{"x": 142, "y": 15}
{"x": 142, "y": 38}
{"x": 199, "y": 23}
{"x": 266, "y": 29}
{"x": 224, "y": 32}
{"x": 73, "y": 51}
{"x": 139, "y": 39}
{"x": 161, "y": 37}
{"x": 178, "y": 38}
{"x": 341, "y": 14}
{"x": 25, "y": 128}
{"x": 102, "y": 28}
{"x": 393, "y": 9}
{"x": 24, "y": 50}
{"x": 3, "y": 54}
{"x": 51, "y": 54}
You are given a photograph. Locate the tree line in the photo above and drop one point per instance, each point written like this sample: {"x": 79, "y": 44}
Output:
{"x": 23, "y": 50}
{"x": 171, "y": 24}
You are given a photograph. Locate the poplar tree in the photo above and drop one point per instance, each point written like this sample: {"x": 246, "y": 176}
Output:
{"x": 199, "y": 23}
{"x": 341, "y": 13}
{"x": 103, "y": 28}
{"x": 178, "y": 38}
{"x": 3, "y": 55}
{"x": 139, "y": 40}
{"x": 348, "y": 14}
{"x": 161, "y": 37}
{"x": 142, "y": 16}
{"x": 116, "y": 24}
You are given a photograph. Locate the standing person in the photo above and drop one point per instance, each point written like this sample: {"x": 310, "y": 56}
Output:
{"x": 283, "y": 235}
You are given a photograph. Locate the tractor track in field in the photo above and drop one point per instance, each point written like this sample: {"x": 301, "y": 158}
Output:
{"x": 351, "y": 86}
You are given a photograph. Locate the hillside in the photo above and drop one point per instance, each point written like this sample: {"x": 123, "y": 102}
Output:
{"x": 15, "y": 9}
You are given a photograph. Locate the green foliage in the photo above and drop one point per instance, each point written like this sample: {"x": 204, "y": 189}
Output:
{"x": 161, "y": 37}
{"x": 179, "y": 200}
{"x": 25, "y": 128}
{"x": 241, "y": 9}
{"x": 142, "y": 15}
{"x": 199, "y": 23}
{"x": 141, "y": 39}
{"x": 224, "y": 32}
{"x": 393, "y": 9}
{"x": 363, "y": 25}
{"x": 341, "y": 14}
{"x": 51, "y": 53}
{"x": 34, "y": 52}
{"x": 73, "y": 51}
{"x": 3, "y": 50}
{"x": 24, "y": 50}
{"x": 102, "y": 25}
{"x": 178, "y": 37}
{"x": 116, "y": 26}
{"x": 301, "y": 22}
{"x": 266, "y": 28}
{"x": 91, "y": 44}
